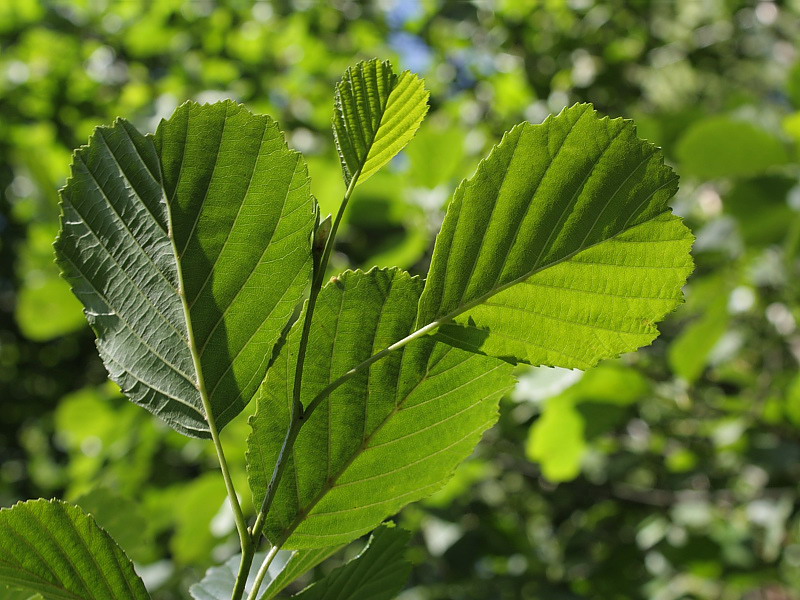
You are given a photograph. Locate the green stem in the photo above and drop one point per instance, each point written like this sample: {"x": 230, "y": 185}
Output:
{"x": 298, "y": 416}
{"x": 324, "y": 393}
{"x": 262, "y": 572}
{"x": 238, "y": 515}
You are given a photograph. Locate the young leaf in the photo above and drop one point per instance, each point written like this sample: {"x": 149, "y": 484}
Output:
{"x": 189, "y": 251}
{"x": 390, "y": 435}
{"x": 219, "y": 582}
{"x": 57, "y": 550}
{"x": 379, "y": 573}
{"x": 561, "y": 249}
{"x": 376, "y": 113}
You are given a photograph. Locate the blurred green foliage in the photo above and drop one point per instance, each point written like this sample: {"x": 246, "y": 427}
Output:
{"x": 669, "y": 474}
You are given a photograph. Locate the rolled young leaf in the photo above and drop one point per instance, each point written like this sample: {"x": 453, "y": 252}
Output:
{"x": 57, "y": 550}
{"x": 392, "y": 434}
{"x": 561, "y": 250}
{"x": 379, "y": 573}
{"x": 376, "y": 113}
{"x": 189, "y": 251}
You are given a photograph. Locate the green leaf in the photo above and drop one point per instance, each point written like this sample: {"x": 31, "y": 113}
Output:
{"x": 561, "y": 249}
{"x": 42, "y": 291}
{"x": 10, "y": 594}
{"x": 379, "y": 573}
{"x": 689, "y": 353}
{"x": 287, "y": 566}
{"x": 593, "y": 406}
{"x": 723, "y": 147}
{"x": 121, "y": 517}
{"x": 376, "y": 113}
{"x": 390, "y": 435}
{"x": 761, "y": 209}
{"x": 190, "y": 251}
{"x": 57, "y": 550}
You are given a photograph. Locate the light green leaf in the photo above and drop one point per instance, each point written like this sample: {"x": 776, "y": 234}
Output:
{"x": 300, "y": 563}
{"x": 390, "y": 435}
{"x": 376, "y": 113}
{"x": 42, "y": 291}
{"x": 190, "y": 251}
{"x": 121, "y": 517}
{"x": 558, "y": 440}
{"x": 287, "y": 566}
{"x": 379, "y": 573}
{"x": 724, "y": 147}
{"x": 57, "y": 550}
{"x": 11, "y": 594}
{"x": 561, "y": 249}
{"x": 689, "y": 353}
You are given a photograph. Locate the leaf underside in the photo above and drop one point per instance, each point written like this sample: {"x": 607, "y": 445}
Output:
{"x": 388, "y": 436}
{"x": 561, "y": 250}
{"x": 218, "y": 582}
{"x": 379, "y": 573}
{"x": 57, "y": 550}
{"x": 376, "y": 113}
{"x": 193, "y": 242}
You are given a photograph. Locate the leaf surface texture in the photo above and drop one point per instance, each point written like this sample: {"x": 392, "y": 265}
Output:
{"x": 379, "y": 573}
{"x": 390, "y": 435}
{"x": 376, "y": 113}
{"x": 190, "y": 250}
{"x": 561, "y": 250}
{"x": 57, "y": 550}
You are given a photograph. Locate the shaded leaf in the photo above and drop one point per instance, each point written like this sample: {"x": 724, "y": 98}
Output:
{"x": 122, "y": 518}
{"x": 561, "y": 249}
{"x": 287, "y": 566}
{"x": 376, "y": 113}
{"x": 388, "y": 436}
{"x": 189, "y": 251}
{"x": 57, "y": 550}
{"x": 379, "y": 573}
{"x": 724, "y": 147}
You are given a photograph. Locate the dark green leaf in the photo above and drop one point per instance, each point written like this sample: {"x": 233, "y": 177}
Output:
{"x": 190, "y": 253}
{"x": 379, "y": 573}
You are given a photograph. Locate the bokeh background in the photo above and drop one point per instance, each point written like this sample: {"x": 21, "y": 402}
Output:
{"x": 668, "y": 474}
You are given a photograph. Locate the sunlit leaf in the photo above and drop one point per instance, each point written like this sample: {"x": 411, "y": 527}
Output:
{"x": 558, "y": 440}
{"x": 376, "y": 113}
{"x": 389, "y": 436}
{"x": 286, "y": 567}
{"x": 561, "y": 250}
{"x": 122, "y": 518}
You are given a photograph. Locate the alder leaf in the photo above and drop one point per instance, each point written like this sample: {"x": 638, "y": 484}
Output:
{"x": 561, "y": 250}
{"x": 57, "y": 550}
{"x": 190, "y": 251}
{"x": 379, "y": 573}
{"x": 390, "y": 435}
{"x": 376, "y": 113}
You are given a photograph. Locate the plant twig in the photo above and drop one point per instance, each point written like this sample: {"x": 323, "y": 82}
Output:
{"x": 298, "y": 413}
{"x": 262, "y": 572}
{"x": 233, "y": 498}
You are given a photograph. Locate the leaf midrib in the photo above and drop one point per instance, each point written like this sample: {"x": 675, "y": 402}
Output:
{"x": 481, "y": 299}
{"x": 332, "y": 483}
